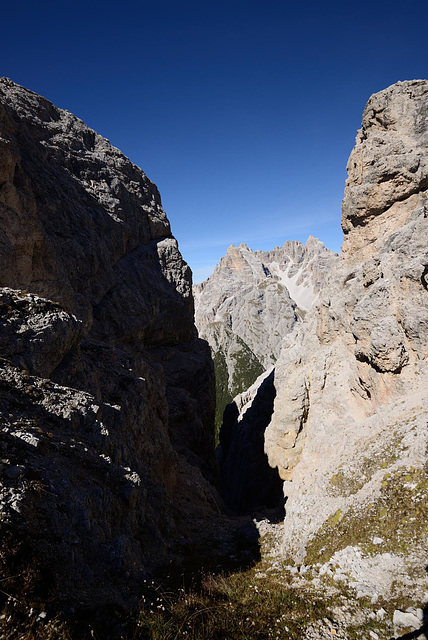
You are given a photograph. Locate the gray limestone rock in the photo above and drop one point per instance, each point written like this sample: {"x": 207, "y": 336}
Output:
{"x": 406, "y": 619}
{"x": 349, "y": 426}
{"x": 34, "y": 333}
{"x": 388, "y": 163}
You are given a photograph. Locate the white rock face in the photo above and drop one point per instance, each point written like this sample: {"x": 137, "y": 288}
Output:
{"x": 349, "y": 428}
{"x": 258, "y": 294}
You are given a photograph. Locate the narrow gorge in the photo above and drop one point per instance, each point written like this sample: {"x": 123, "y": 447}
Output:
{"x": 108, "y": 468}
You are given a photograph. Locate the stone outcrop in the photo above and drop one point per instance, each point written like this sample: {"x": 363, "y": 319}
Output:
{"x": 107, "y": 394}
{"x": 349, "y": 427}
{"x": 252, "y": 300}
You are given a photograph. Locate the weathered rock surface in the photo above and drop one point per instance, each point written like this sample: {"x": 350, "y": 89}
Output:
{"x": 107, "y": 394}
{"x": 252, "y": 300}
{"x": 349, "y": 427}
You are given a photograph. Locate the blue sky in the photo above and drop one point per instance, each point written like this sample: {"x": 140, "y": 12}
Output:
{"x": 242, "y": 113}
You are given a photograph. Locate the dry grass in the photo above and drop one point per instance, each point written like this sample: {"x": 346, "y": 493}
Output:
{"x": 239, "y": 606}
{"x": 236, "y": 607}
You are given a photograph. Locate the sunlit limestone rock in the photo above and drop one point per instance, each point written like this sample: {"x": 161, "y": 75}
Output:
{"x": 349, "y": 428}
{"x": 107, "y": 394}
{"x": 252, "y": 300}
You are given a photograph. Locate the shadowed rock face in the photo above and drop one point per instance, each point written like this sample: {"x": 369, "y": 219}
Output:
{"x": 107, "y": 394}
{"x": 83, "y": 226}
{"x": 349, "y": 426}
{"x": 248, "y": 483}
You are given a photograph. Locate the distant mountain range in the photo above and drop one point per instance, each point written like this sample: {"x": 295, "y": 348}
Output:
{"x": 252, "y": 300}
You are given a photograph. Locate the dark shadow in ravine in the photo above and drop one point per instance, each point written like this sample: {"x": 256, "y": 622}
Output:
{"x": 418, "y": 633}
{"x": 248, "y": 484}
{"x": 422, "y": 632}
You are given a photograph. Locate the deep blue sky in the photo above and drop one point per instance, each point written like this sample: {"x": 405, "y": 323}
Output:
{"x": 242, "y": 112}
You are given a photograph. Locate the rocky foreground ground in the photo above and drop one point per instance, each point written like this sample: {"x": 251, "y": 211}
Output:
{"x": 355, "y": 587}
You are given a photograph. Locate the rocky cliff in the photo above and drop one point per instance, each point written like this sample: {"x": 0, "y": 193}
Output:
{"x": 252, "y": 300}
{"x": 349, "y": 427}
{"x": 107, "y": 394}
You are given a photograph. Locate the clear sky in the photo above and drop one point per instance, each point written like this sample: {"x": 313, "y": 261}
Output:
{"x": 242, "y": 112}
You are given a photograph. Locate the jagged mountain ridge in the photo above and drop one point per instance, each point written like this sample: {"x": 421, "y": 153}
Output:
{"x": 250, "y": 302}
{"x": 107, "y": 394}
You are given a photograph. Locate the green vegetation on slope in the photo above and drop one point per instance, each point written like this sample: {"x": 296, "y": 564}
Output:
{"x": 238, "y": 606}
{"x": 397, "y": 516}
{"x": 261, "y": 602}
{"x": 223, "y": 395}
{"x": 246, "y": 369}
